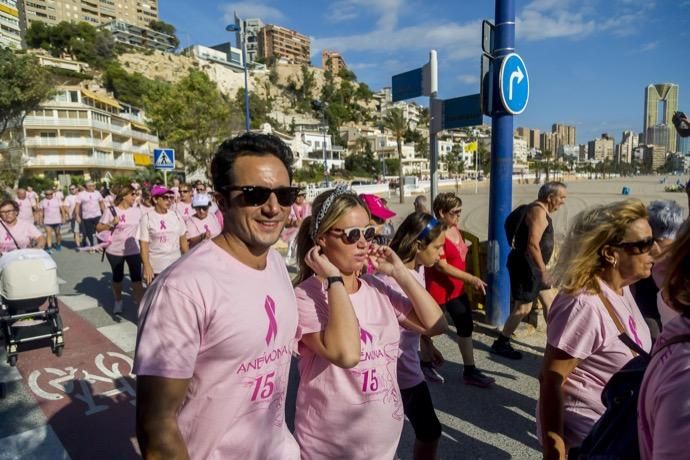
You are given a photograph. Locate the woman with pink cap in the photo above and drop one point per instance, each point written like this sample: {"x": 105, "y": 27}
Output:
{"x": 162, "y": 234}
{"x": 122, "y": 221}
{"x": 202, "y": 225}
{"x": 380, "y": 215}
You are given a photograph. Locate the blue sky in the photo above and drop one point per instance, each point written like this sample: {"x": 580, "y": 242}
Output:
{"x": 588, "y": 60}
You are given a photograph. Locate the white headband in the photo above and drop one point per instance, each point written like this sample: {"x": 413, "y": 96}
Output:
{"x": 339, "y": 191}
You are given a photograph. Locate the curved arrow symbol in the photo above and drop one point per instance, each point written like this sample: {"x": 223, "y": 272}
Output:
{"x": 515, "y": 75}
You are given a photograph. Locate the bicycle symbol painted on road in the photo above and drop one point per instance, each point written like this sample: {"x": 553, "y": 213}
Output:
{"x": 63, "y": 380}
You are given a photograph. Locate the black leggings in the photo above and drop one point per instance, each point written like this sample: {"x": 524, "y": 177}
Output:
{"x": 461, "y": 314}
{"x": 117, "y": 263}
{"x": 90, "y": 228}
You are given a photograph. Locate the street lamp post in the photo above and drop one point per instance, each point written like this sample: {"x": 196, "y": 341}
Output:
{"x": 243, "y": 44}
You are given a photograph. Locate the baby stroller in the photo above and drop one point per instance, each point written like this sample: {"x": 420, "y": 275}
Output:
{"x": 28, "y": 303}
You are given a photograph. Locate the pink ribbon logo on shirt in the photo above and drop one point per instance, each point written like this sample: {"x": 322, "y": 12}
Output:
{"x": 123, "y": 219}
{"x": 163, "y": 227}
{"x": 206, "y": 228}
{"x": 633, "y": 328}
{"x": 8, "y": 237}
{"x": 365, "y": 336}
{"x": 270, "y": 307}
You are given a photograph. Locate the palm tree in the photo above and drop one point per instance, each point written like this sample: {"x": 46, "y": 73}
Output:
{"x": 395, "y": 121}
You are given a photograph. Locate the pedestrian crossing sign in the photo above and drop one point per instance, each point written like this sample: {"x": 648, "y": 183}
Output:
{"x": 163, "y": 158}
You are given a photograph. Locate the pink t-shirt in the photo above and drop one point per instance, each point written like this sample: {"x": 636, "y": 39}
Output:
{"x": 351, "y": 413}
{"x": 185, "y": 210}
{"x": 196, "y": 226}
{"x": 231, "y": 330}
{"x": 70, "y": 203}
{"x": 89, "y": 202}
{"x": 51, "y": 211}
{"x": 26, "y": 211}
{"x": 582, "y": 327}
{"x": 22, "y": 231}
{"x": 124, "y": 240}
{"x": 663, "y": 415}
{"x": 409, "y": 368}
{"x": 162, "y": 232}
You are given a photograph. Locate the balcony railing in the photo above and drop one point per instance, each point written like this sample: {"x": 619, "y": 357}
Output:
{"x": 68, "y": 161}
{"x": 86, "y": 123}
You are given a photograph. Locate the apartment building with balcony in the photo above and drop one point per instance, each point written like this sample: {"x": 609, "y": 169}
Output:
{"x": 282, "y": 44}
{"x": 95, "y": 12}
{"x": 10, "y": 32}
{"x": 84, "y": 132}
{"x": 140, "y": 36}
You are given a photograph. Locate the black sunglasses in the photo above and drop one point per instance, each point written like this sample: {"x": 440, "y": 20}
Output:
{"x": 637, "y": 247}
{"x": 205, "y": 208}
{"x": 352, "y": 235}
{"x": 255, "y": 195}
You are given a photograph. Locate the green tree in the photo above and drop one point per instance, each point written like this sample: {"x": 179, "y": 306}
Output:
{"x": 131, "y": 88}
{"x": 164, "y": 27}
{"x": 193, "y": 116}
{"x": 395, "y": 121}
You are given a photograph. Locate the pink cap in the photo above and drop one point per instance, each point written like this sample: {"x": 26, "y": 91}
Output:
{"x": 159, "y": 190}
{"x": 376, "y": 206}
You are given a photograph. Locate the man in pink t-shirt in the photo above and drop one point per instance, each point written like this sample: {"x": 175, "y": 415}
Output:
{"x": 69, "y": 206}
{"x": 90, "y": 206}
{"x": 27, "y": 206}
{"x": 217, "y": 329}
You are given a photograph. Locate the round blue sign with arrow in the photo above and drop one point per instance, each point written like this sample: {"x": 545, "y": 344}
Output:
{"x": 513, "y": 84}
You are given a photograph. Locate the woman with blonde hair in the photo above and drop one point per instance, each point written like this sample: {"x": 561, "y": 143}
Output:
{"x": 348, "y": 400}
{"x": 594, "y": 326}
{"x": 664, "y": 406}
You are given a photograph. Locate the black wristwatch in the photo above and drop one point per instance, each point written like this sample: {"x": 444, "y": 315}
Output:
{"x": 328, "y": 282}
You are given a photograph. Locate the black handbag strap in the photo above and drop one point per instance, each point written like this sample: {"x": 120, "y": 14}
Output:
{"x": 9, "y": 233}
{"x": 623, "y": 336}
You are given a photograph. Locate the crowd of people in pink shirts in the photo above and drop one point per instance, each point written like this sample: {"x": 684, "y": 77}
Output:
{"x": 221, "y": 320}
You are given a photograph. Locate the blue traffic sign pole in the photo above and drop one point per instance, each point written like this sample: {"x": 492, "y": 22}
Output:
{"x": 500, "y": 199}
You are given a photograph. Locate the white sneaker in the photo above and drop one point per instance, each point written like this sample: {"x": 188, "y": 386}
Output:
{"x": 118, "y": 307}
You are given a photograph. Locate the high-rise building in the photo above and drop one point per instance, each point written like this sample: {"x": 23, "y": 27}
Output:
{"x": 660, "y": 103}
{"x": 628, "y": 143}
{"x": 276, "y": 42}
{"x": 547, "y": 142}
{"x": 562, "y": 135}
{"x": 136, "y": 12}
{"x": 332, "y": 61}
{"x": 653, "y": 157}
{"x": 251, "y": 28}
{"x": 601, "y": 149}
{"x": 531, "y": 136}
{"x": 10, "y": 35}
{"x": 683, "y": 145}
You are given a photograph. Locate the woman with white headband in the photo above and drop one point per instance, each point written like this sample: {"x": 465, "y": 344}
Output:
{"x": 348, "y": 401}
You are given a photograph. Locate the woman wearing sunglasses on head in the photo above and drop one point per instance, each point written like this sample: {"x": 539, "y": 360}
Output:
{"x": 202, "y": 225}
{"x": 348, "y": 400}
{"x": 418, "y": 243}
{"x": 122, "y": 222}
{"x": 162, "y": 234}
{"x": 608, "y": 248}
{"x": 446, "y": 283}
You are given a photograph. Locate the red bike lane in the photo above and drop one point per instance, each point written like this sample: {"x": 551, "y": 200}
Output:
{"x": 87, "y": 394}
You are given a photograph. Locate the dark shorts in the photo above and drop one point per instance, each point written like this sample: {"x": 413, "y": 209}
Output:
{"x": 420, "y": 410}
{"x": 55, "y": 227}
{"x": 525, "y": 278}
{"x": 117, "y": 263}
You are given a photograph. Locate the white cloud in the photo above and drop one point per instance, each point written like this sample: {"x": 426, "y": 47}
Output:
{"x": 247, "y": 10}
{"x": 468, "y": 79}
{"x": 388, "y": 11}
{"x": 649, "y": 46}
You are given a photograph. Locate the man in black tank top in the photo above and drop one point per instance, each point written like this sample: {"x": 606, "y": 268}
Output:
{"x": 532, "y": 248}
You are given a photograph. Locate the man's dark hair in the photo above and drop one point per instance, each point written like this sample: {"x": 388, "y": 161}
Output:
{"x": 248, "y": 144}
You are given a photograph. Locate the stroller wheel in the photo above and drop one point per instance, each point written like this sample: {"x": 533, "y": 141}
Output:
{"x": 12, "y": 360}
{"x": 58, "y": 350}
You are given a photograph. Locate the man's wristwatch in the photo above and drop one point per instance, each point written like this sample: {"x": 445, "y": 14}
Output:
{"x": 329, "y": 281}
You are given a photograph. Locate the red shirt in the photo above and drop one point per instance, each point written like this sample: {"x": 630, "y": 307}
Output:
{"x": 443, "y": 287}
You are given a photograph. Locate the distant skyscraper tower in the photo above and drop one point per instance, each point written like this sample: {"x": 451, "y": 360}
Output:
{"x": 660, "y": 103}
